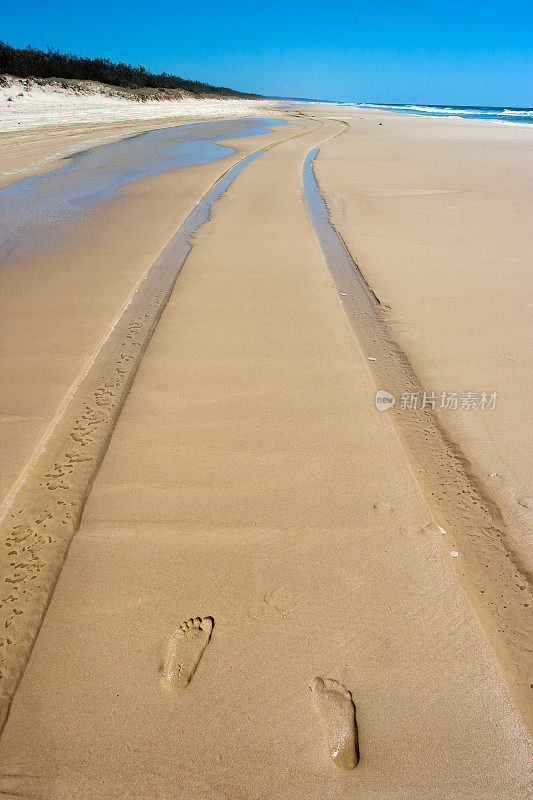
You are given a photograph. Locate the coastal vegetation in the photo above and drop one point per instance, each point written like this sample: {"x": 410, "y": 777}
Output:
{"x": 30, "y": 62}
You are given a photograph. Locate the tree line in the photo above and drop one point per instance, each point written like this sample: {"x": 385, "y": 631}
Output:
{"x": 29, "y": 62}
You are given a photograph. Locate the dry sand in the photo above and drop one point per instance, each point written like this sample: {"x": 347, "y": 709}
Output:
{"x": 25, "y": 104}
{"x": 437, "y": 213}
{"x": 250, "y": 480}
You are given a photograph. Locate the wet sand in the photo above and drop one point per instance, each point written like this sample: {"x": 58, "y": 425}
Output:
{"x": 43, "y": 145}
{"x": 60, "y": 300}
{"x": 250, "y": 480}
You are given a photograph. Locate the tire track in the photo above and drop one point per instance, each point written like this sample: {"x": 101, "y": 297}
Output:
{"x": 44, "y": 511}
{"x": 486, "y": 559}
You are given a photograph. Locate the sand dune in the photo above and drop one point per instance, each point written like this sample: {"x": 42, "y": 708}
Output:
{"x": 29, "y": 105}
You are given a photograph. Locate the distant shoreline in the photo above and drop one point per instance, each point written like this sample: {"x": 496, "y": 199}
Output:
{"x": 501, "y": 115}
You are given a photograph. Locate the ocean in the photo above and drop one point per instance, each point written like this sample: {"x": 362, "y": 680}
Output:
{"x": 500, "y": 114}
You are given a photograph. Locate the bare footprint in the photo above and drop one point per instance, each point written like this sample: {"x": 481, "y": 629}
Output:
{"x": 184, "y": 652}
{"x": 337, "y": 714}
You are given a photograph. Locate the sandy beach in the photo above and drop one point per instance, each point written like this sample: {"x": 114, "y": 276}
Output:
{"x": 210, "y": 451}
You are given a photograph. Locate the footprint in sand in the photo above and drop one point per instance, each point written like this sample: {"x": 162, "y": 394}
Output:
{"x": 337, "y": 714}
{"x": 184, "y": 652}
{"x": 282, "y": 600}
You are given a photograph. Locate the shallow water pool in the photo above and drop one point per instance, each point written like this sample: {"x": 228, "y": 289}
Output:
{"x": 31, "y": 205}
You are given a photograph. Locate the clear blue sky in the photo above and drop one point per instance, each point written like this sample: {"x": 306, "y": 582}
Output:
{"x": 406, "y": 51}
